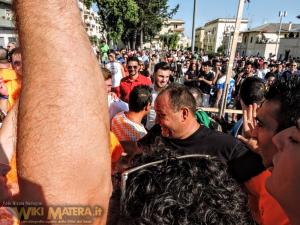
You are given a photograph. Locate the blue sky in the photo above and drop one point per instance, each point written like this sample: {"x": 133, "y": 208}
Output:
{"x": 257, "y": 11}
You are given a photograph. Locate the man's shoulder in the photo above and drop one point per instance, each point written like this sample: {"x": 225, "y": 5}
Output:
{"x": 125, "y": 79}
{"x": 143, "y": 78}
{"x": 216, "y": 138}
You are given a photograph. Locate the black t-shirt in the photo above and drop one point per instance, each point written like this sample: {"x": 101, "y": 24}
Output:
{"x": 242, "y": 163}
{"x": 205, "y": 88}
{"x": 193, "y": 75}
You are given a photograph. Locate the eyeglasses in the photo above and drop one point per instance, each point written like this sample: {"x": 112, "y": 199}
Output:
{"x": 132, "y": 67}
{"x": 129, "y": 172}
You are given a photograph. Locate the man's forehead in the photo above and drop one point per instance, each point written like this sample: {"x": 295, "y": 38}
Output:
{"x": 268, "y": 110}
{"x": 133, "y": 63}
{"x": 161, "y": 72}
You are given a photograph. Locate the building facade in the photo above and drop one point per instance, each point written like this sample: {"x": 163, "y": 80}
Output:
{"x": 169, "y": 27}
{"x": 290, "y": 45}
{"x": 7, "y": 26}
{"x": 92, "y": 22}
{"x": 216, "y": 30}
{"x": 264, "y": 41}
{"x": 199, "y": 38}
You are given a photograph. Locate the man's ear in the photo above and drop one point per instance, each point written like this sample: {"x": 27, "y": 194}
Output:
{"x": 184, "y": 113}
{"x": 148, "y": 107}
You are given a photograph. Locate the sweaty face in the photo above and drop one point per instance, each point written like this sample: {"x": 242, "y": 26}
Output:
{"x": 133, "y": 68}
{"x": 162, "y": 78}
{"x": 284, "y": 183}
{"x": 266, "y": 128}
{"x": 167, "y": 118}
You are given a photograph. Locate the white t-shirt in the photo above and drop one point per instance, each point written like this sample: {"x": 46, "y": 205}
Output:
{"x": 152, "y": 114}
{"x": 115, "y": 69}
{"x": 116, "y": 105}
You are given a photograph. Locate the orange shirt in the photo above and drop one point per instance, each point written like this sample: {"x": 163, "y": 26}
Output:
{"x": 12, "y": 84}
{"x": 265, "y": 209}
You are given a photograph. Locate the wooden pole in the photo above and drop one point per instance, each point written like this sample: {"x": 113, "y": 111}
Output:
{"x": 232, "y": 56}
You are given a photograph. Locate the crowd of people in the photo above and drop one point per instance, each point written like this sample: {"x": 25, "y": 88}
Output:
{"x": 128, "y": 132}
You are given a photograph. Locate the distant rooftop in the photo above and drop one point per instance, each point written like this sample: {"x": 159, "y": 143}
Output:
{"x": 174, "y": 21}
{"x": 225, "y": 20}
{"x": 274, "y": 28}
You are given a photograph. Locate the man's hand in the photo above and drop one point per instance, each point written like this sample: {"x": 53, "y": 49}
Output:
{"x": 250, "y": 142}
{"x": 249, "y": 119}
{"x": 249, "y": 124}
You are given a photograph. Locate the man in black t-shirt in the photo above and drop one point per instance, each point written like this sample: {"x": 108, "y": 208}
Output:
{"x": 206, "y": 78}
{"x": 179, "y": 130}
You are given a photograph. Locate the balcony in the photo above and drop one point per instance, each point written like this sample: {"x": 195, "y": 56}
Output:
{"x": 178, "y": 29}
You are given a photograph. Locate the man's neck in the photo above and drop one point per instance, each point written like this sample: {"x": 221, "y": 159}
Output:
{"x": 134, "y": 77}
{"x": 190, "y": 129}
{"x": 157, "y": 89}
{"x": 135, "y": 116}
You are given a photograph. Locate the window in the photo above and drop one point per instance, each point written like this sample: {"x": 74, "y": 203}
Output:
{"x": 251, "y": 39}
{"x": 2, "y": 42}
{"x": 12, "y": 39}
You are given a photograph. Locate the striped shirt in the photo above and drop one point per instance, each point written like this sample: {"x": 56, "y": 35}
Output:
{"x": 125, "y": 129}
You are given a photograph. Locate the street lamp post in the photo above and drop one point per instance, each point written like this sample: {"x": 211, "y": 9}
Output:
{"x": 194, "y": 22}
{"x": 281, "y": 15}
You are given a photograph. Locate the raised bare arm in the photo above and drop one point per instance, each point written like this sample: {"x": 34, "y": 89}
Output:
{"x": 62, "y": 147}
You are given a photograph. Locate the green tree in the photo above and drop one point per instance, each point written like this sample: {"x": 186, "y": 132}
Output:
{"x": 170, "y": 41}
{"x": 88, "y": 3}
{"x": 151, "y": 16}
{"x": 221, "y": 49}
{"x": 116, "y": 15}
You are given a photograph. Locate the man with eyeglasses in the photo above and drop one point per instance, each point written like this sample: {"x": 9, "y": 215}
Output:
{"x": 133, "y": 79}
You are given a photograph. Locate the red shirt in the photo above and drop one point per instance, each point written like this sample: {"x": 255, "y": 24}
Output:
{"x": 127, "y": 84}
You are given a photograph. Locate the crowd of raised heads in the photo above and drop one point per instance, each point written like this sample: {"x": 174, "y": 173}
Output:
{"x": 134, "y": 135}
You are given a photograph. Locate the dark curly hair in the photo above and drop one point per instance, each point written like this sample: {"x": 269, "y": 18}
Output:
{"x": 287, "y": 93}
{"x": 184, "y": 192}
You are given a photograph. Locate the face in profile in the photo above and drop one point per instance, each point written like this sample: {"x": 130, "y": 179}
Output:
{"x": 284, "y": 183}
{"x": 265, "y": 130}
{"x": 167, "y": 118}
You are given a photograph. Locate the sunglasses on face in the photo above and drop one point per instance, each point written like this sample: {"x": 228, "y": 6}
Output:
{"x": 132, "y": 67}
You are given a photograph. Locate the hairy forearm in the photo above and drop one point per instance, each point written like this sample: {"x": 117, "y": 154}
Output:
{"x": 63, "y": 122}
